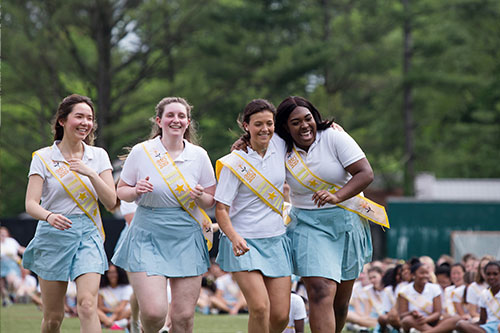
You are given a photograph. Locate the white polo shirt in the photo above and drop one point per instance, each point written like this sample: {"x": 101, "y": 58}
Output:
{"x": 474, "y": 292}
{"x": 250, "y": 216}
{"x": 54, "y": 197}
{"x": 424, "y": 299}
{"x": 491, "y": 304}
{"x": 193, "y": 163}
{"x": 297, "y": 312}
{"x": 327, "y": 158}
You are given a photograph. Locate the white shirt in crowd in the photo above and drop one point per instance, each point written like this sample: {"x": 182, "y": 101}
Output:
{"x": 474, "y": 292}
{"x": 491, "y": 304}
{"x": 421, "y": 302}
{"x": 297, "y": 312}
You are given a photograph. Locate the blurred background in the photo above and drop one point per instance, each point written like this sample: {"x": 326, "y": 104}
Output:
{"x": 415, "y": 83}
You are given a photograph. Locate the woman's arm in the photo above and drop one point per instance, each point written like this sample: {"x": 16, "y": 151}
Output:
{"x": 483, "y": 316}
{"x": 130, "y": 193}
{"x": 33, "y": 207}
{"x": 103, "y": 183}
{"x": 362, "y": 176}
{"x": 436, "y": 310}
{"x": 204, "y": 197}
{"x": 240, "y": 246}
{"x": 402, "y": 305}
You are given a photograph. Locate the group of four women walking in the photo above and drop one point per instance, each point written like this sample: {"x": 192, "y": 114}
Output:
{"x": 172, "y": 180}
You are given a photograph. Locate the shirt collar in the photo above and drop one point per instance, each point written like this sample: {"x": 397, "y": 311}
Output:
{"x": 56, "y": 155}
{"x": 188, "y": 154}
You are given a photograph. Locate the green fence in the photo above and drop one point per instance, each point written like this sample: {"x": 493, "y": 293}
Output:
{"x": 424, "y": 228}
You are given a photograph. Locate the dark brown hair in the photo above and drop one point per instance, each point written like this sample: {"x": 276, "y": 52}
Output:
{"x": 65, "y": 108}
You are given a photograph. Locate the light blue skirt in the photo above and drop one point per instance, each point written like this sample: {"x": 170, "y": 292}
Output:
{"x": 333, "y": 243}
{"x": 270, "y": 255}
{"x": 123, "y": 233}
{"x": 491, "y": 326}
{"x": 163, "y": 241}
{"x": 59, "y": 255}
{"x": 9, "y": 266}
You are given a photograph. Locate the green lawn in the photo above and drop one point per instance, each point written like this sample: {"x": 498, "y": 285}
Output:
{"x": 22, "y": 318}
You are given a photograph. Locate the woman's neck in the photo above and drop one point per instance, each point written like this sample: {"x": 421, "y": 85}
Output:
{"x": 419, "y": 287}
{"x": 71, "y": 149}
{"x": 174, "y": 145}
{"x": 259, "y": 148}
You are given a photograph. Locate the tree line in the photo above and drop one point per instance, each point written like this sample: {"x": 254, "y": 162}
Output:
{"x": 415, "y": 82}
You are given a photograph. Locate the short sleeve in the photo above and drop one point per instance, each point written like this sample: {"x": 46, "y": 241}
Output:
{"x": 299, "y": 308}
{"x": 207, "y": 175}
{"x": 37, "y": 167}
{"x": 129, "y": 171}
{"x": 436, "y": 290}
{"x": 227, "y": 189}
{"x": 347, "y": 150}
{"x": 104, "y": 161}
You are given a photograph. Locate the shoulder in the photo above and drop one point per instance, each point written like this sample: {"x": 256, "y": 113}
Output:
{"x": 195, "y": 149}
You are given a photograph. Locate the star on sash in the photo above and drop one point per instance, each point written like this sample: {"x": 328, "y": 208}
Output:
{"x": 191, "y": 205}
{"x": 179, "y": 188}
{"x": 313, "y": 183}
{"x": 271, "y": 195}
{"x": 82, "y": 196}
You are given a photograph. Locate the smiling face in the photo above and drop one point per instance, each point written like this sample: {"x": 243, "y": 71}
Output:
{"x": 493, "y": 276}
{"x": 375, "y": 279}
{"x": 421, "y": 275}
{"x": 79, "y": 122}
{"x": 261, "y": 129}
{"x": 457, "y": 275}
{"x": 302, "y": 127}
{"x": 174, "y": 120}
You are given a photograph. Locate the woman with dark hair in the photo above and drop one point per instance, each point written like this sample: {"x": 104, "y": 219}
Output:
{"x": 172, "y": 181}
{"x": 419, "y": 303}
{"x": 330, "y": 244}
{"x": 489, "y": 304}
{"x": 113, "y": 304}
{"x": 249, "y": 196}
{"x": 476, "y": 288}
{"x": 68, "y": 178}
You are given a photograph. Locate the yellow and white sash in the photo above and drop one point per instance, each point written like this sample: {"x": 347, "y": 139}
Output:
{"x": 358, "y": 204}
{"x": 493, "y": 304}
{"x": 420, "y": 302}
{"x": 180, "y": 188}
{"x": 253, "y": 179}
{"x": 375, "y": 301}
{"x": 448, "y": 302}
{"x": 74, "y": 186}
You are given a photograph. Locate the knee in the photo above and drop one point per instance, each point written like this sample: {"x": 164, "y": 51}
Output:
{"x": 153, "y": 317}
{"x": 259, "y": 310}
{"x": 87, "y": 306}
{"x": 182, "y": 317}
{"x": 53, "y": 321}
{"x": 407, "y": 322}
{"x": 461, "y": 325}
{"x": 278, "y": 321}
{"x": 319, "y": 292}
{"x": 382, "y": 320}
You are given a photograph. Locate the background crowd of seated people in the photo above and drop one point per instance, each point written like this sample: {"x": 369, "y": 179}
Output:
{"x": 418, "y": 295}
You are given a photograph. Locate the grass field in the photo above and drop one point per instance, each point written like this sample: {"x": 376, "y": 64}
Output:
{"x": 26, "y": 318}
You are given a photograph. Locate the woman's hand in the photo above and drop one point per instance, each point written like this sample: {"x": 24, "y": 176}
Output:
{"x": 78, "y": 166}
{"x": 240, "y": 246}
{"x": 59, "y": 221}
{"x": 143, "y": 186}
{"x": 323, "y": 197}
{"x": 197, "y": 192}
